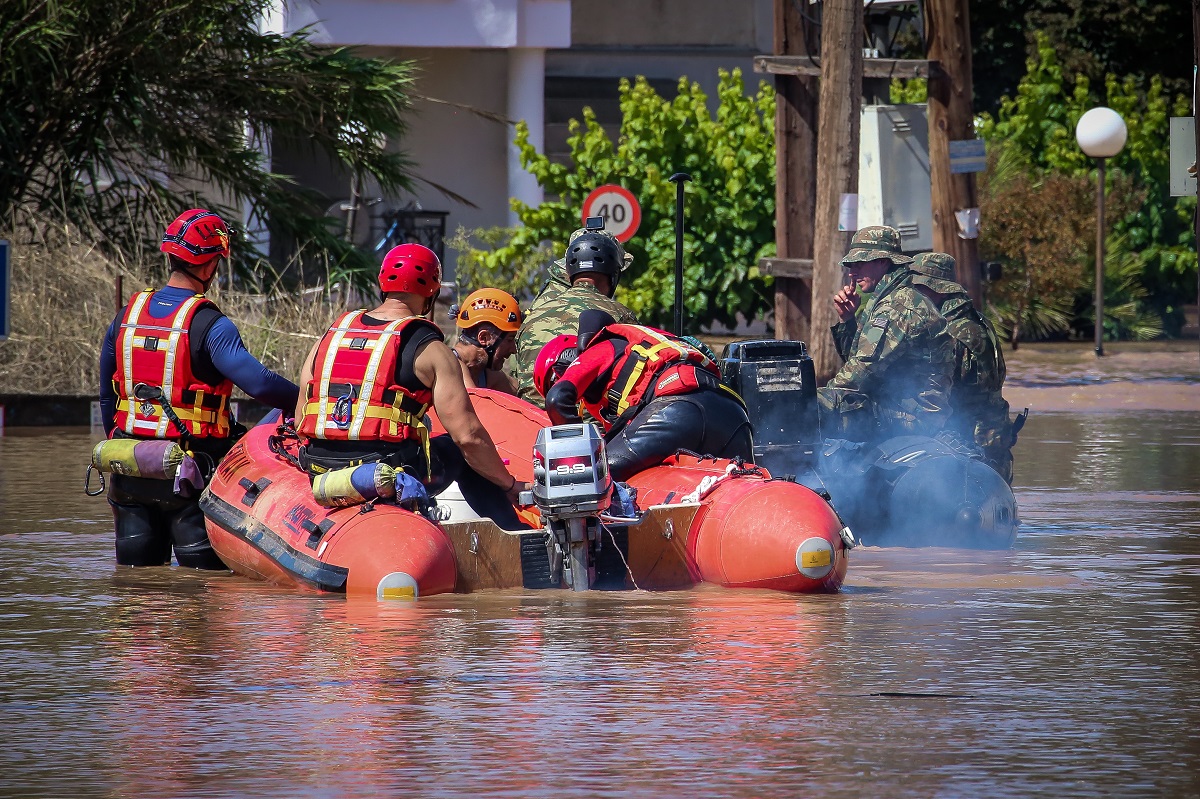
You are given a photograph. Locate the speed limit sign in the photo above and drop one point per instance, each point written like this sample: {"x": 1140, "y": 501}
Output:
{"x": 618, "y": 207}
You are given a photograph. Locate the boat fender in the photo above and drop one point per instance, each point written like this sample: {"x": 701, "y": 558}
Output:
{"x": 155, "y": 459}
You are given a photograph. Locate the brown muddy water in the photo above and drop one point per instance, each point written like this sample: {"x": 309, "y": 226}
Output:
{"x": 1068, "y": 667}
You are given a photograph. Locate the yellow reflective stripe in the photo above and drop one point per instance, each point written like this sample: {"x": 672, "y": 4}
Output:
{"x": 127, "y": 343}
{"x": 168, "y": 385}
{"x": 184, "y": 414}
{"x": 368, "y": 383}
{"x": 327, "y": 369}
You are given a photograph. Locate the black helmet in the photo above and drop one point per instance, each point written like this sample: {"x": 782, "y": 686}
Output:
{"x": 594, "y": 253}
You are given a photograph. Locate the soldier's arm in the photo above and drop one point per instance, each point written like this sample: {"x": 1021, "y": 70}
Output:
{"x": 906, "y": 321}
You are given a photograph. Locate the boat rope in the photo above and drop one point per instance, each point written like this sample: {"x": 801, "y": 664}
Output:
{"x": 621, "y": 555}
{"x": 283, "y": 432}
{"x": 708, "y": 484}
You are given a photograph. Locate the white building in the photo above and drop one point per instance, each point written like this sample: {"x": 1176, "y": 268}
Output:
{"x": 540, "y": 61}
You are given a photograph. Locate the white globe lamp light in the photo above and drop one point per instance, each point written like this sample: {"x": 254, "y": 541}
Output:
{"x": 1101, "y": 134}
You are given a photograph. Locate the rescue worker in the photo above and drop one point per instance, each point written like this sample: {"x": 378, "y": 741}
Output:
{"x": 488, "y": 321}
{"x": 168, "y": 366}
{"x": 585, "y": 278}
{"x": 899, "y": 365}
{"x": 370, "y": 379}
{"x": 978, "y": 410}
{"x": 653, "y": 394}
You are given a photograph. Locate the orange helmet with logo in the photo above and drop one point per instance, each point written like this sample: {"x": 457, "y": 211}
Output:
{"x": 196, "y": 236}
{"x": 490, "y": 305}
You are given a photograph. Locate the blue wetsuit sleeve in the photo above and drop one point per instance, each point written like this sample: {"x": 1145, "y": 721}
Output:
{"x": 108, "y": 367}
{"x": 231, "y": 358}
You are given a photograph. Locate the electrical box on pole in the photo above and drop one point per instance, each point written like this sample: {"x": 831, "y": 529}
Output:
{"x": 893, "y": 173}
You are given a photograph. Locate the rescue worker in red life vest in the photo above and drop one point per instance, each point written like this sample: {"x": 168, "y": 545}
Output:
{"x": 370, "y": 379}
{"x": 488, "y": 321}
{"x": 168, "y": 365}
{"x": 654, "y": 394}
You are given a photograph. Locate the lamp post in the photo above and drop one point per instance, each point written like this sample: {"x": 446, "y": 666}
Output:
{"x": 1101, "y": 134}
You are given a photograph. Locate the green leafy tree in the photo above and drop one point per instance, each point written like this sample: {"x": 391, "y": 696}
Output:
{"x": 112, "y": 110}
{"x": 1151, "y": 235}
{"x": 730, "y": 213}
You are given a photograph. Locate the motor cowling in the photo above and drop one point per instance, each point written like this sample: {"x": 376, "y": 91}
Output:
{"x": 778, "y": 383}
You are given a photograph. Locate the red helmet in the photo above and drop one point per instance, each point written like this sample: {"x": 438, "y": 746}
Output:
{"x": 552, "y": 360}
{"x": 413, "y": 269}
{"x": 196, "y": 236}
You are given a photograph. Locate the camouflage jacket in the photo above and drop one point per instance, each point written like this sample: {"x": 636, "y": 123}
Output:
{"x": 555, "y": 312}
{"x": 899, "y": 370}
{"x": 978, "y": 408}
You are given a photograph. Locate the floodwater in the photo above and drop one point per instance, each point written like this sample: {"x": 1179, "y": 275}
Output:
{"x": 1068, "y": 667}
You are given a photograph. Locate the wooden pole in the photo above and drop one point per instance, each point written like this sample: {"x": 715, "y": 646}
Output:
{"x": 795, "y": 173}
{"x": 839, "y": 119}
{"x": 948, "y": 40}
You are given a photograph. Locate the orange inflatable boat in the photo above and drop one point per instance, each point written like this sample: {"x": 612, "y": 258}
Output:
{"x": 702, "y": 520}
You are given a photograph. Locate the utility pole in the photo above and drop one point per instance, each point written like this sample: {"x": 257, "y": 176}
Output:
{"x": 838, "y": 122}
{"x": 795, "y": 177}
{"x": 1196, "y": 122}
{"x": 948, "y": 39}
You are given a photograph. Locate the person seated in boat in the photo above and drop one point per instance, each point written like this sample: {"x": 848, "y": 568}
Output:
{"x": 488, "y": 321}
{"x": 978, "y": 411}
{"x": 370, "y": 379}
{"x": 168, "y": 365}
{"x": 654, "y": 394}
{"x": 585, "y": 279}
{"x": 899, "y": 364}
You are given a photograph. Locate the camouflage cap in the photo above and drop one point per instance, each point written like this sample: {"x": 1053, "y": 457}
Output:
{"x": 936, "y": 270}
{"x": 874, "y": 243}
{"x": 626, "y": 258}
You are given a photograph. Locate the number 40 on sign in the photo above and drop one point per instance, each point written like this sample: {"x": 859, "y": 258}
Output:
{"x": 618, "y": 207}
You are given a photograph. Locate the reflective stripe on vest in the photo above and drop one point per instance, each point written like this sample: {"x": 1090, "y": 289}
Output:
{"x": 157, "y": 352}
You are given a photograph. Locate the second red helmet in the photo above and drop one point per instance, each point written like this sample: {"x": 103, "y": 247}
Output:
{"x": 413, "y": 269}
{"x": 552, "y": 360}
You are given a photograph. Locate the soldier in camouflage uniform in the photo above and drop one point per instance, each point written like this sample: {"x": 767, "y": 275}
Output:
{"x": 556, "y": 309}
{"x": 978, "y": 411}
{"x": 899, "y": 365}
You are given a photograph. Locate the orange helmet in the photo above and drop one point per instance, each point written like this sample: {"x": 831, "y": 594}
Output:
{"x": 196, "y": 236}
{"x": 490, "y": 305}
{"x": 552, "y": 360}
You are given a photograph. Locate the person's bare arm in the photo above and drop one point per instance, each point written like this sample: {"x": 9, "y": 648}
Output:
{"x": 306, "y": 376}
{"x": 437, "y": 368}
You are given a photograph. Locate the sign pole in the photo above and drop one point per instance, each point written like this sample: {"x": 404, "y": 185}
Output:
{"x": 679, "y": 179}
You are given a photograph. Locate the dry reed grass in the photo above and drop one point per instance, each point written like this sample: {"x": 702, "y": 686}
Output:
{"x": 63, "y": 299}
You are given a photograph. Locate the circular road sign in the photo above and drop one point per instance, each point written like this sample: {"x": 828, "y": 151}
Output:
{"x": 619, "y": 208}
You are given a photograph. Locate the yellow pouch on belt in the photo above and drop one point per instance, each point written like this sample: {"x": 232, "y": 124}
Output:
{"x": 156, "y": 459}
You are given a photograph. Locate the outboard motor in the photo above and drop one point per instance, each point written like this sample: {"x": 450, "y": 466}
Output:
{"x": 778, "y": 383}
{"x": 918, "y": 492}
{"x": 571, "y": 486}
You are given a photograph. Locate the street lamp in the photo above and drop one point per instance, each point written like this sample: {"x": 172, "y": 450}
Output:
{"x": 1101, "y": 134}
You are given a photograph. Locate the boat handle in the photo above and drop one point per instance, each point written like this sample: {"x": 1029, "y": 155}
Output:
{"x": 253, "y": 490}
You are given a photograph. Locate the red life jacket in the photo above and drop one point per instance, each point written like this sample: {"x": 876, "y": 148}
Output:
{"x": 353, "y": 395}
{"x": 654, "y": 364}
{"x": 157, "y": 353}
